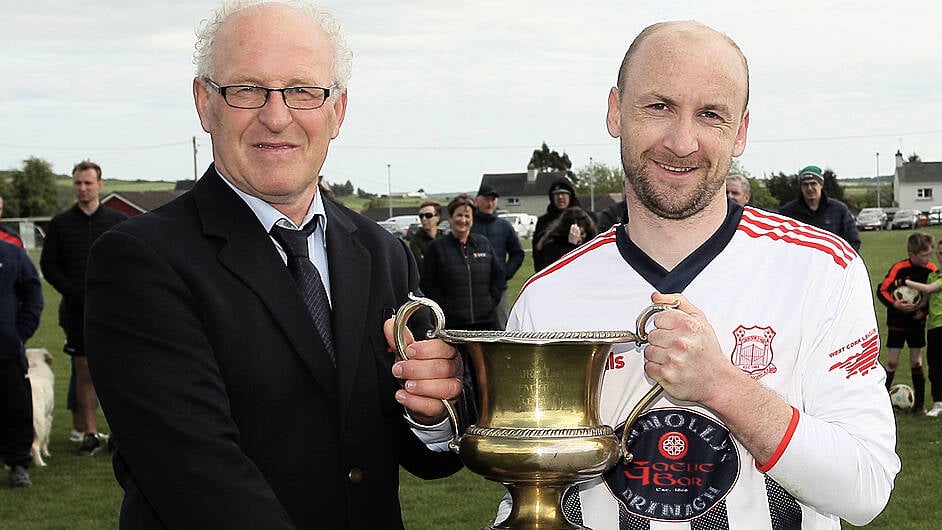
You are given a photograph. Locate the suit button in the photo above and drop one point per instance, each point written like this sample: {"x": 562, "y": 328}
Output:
{"x": 355, "y": 476}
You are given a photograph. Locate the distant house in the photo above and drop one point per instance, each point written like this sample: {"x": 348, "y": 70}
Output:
{"x": 917, "y": 185}
{"x": 528, "y": 192}
{"x": 134, "y": 203}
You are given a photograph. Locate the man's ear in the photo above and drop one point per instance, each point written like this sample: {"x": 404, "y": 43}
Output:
{"x": 201, "y": 100}
{"x": 740, "y": 144}
{"x": 340, "y": 110}
{"x": 613, "y": 118}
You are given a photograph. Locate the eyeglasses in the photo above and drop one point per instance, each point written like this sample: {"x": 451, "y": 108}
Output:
{"x": 255, "y": 97}
{"x": 425, "y": 215}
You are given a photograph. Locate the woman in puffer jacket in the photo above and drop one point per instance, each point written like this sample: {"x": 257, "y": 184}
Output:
{"x": 461, "y": 273}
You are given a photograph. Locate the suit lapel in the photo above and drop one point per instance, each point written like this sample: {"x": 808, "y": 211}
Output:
{"x": 251, "y": 256}
{"x": 350, "y": 290}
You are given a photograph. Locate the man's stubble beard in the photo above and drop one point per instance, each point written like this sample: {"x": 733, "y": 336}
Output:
{"x": 671, "y": 205}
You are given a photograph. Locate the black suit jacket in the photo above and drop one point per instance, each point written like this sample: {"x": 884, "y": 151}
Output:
{"x": 224, "y": 405}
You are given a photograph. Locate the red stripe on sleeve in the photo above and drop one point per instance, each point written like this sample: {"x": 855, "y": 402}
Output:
{"x": 792, "y": 425}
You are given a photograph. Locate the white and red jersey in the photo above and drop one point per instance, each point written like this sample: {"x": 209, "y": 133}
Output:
{"x": 791, "y": 306}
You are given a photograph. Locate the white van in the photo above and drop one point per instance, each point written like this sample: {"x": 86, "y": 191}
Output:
{"x": 935, "y": 215}
{"x": 523, "y": 223}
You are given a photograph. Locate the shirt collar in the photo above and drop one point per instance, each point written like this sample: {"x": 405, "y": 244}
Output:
{"x": 269, "y": 216}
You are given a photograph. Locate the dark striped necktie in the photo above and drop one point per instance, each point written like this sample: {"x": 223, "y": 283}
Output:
{"x": 307, "y": 279}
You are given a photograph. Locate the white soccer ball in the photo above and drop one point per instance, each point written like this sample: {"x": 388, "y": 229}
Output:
{"x": 902, "y": 396}
{"x": 907, "y": 294}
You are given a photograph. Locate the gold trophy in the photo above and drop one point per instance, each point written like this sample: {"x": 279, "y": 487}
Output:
{"x": 539, "y": 430}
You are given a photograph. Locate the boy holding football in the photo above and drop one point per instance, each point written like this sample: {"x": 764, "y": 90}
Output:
{"x": 906, "y": 320}
{"x": 933, "y": 334}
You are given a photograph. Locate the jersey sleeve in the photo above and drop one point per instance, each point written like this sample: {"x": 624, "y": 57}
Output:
{"x": 841, "y": 458}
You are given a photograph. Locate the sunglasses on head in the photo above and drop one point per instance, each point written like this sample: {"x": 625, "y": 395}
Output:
{"x": 426, "y": 215}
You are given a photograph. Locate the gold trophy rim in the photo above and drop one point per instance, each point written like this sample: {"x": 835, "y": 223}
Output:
{"x": 541, "y": 338}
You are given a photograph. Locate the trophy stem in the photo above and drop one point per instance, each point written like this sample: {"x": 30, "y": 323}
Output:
{"x": 537, "y": 507}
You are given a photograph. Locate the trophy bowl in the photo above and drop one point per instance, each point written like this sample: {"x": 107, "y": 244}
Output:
{"x": 538, "y": 430}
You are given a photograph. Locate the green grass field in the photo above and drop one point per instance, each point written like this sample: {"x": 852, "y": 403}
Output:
{"x": 81, "y": 493}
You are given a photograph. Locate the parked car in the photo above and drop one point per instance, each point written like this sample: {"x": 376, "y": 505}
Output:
{"x": 935, "y": 215}
{"x": 869, "y": 221}
{"x": 391, "y": 227}
{"x": 884, "y": 218}
{"x": 523, "y": 223}
{"x": 905, "y": 219}
{"x": 403, "y": 222}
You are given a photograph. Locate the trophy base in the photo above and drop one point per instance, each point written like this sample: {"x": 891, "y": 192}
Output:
{"x": 537, "y": 466}
{"x": 536, "y": 508}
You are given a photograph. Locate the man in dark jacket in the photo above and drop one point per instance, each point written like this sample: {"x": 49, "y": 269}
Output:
{"x": 504, "y": 240}
{"x": 21, "y": 304}
{"x": 817, "y": 209}
{"x": 63, "y": 262}
{"x": 561, "y": 195}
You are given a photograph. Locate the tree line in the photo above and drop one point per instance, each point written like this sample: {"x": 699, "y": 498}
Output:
{"x": 31, "y": 190}
{"x": 769, "y": 193}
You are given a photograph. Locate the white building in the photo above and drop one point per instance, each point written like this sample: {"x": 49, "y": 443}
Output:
{"x": 917, "y": 185}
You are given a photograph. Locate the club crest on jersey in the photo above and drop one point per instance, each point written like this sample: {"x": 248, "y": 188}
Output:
{"x": 685, "y": 463}
{"x": 753, "y": 350}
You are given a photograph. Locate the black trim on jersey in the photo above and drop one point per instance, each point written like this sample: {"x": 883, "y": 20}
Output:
{"x": 572, "y": 506}
{"x": 783, "y": 508}
{"x": 677, "y": 280}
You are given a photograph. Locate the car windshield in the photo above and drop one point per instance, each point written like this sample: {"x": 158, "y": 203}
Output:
{"x": 869, "y": 216}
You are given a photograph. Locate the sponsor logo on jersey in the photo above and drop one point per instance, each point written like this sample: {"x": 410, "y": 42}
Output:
{"x": 753, "y": 350}
{"x": 685, "y": 463}
{"x": 862, "y": 355}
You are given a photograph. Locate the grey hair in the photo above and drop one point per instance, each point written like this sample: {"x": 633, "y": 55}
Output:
{"x": 746, "y": 187}
{"x": 206, "y": 36}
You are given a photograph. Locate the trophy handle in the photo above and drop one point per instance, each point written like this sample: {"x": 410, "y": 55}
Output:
{"x": 655, "y": 391}
{"x": 401, "y": 318}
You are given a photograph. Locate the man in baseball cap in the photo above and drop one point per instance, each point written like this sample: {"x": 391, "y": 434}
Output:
{"x": 486, "y": 190}
{"x": 503, "y": 238}
{"x": 817, "y": 209}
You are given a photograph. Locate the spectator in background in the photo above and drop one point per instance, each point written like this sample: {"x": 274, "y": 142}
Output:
{"x": 430, "y": 214}
{"x": 6, "y": 234}
{"x": 817, "y": 209}
{"x": 462, "y": 273}
{"x": 561, "y": 195}
{"x": 616, "y": 213}
{"x": 21, "y": 306}
{"x": 906, "y": 322}
{"x": 63, "y": 262}
{"x": 738, "y": 189}
{"x": 504, "y": 240}
{"x": 570, "y": 230}
{"x": 931, "y": 289}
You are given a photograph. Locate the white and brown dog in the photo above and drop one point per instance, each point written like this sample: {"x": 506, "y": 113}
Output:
{"x": 42, "y": 382}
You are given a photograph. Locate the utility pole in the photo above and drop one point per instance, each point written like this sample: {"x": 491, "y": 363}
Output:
{"x": 591, "y": 186}
{"x": 389, "y": 187}
{"x": 878, "y": 180}
{"x": 194, "y": 160}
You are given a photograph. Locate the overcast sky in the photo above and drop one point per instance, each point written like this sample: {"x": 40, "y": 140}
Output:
{"x": 444, "y": 91}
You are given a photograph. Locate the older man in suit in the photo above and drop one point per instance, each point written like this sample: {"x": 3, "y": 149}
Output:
{"x": 230, "y": 407}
